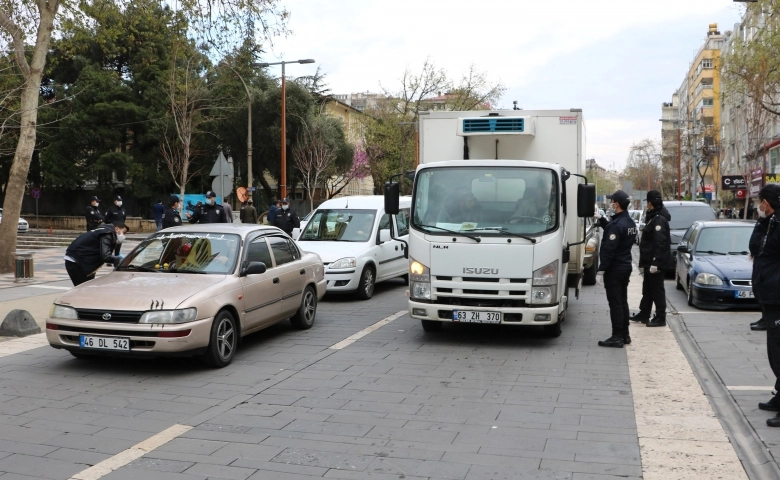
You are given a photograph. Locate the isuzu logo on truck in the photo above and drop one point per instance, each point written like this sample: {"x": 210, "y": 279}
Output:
{"x": 480, "y": 271}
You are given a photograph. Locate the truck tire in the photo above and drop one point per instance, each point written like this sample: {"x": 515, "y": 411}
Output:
{"x": 589, "y": 276}
{"x": 431, "y": 325}
{"x": 553, "y": 331}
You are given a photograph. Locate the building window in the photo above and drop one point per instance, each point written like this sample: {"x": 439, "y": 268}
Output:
{"x": 706, "y": 63}
{"x": 774, "y": 160}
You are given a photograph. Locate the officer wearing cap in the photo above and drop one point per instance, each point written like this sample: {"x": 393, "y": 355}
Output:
{"x": 171, "y": 217}
{"x": 92, "y": 214}
{"x": 286, "y": 218}
{"x": 615, "y": 266}
{"x": 766, "y": 284}
{"x": 655, "y": 258}
{"x": 209, "y": 212}
{"x": 116, "y": 214}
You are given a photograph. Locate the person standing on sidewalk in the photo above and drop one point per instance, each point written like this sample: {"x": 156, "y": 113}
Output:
{"x": 91, "y": 250}
{"x": 655, "y": 258}
{"x": 248, "y": 213}
{"x": 92, "y": 214}
{"x": 287, "y": 219}
{"x": 755, "y": 246}
{"x": 273, "y": 209}
{"x": 228, "y": 210}
{"x": 171, "y": 217}
{"x": 158, "y": 210}
{"x": 615, "y": 267}
{"x": 208, "y": 213}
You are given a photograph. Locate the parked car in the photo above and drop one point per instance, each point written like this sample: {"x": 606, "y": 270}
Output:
{"x": 191, "y": 290}
{"x": 713, "y": 264}
{"x": 592, "y": 247}
{"x": 683, "y": 215}
{"x": 23, "y": 225}
{"x": 297, "y": 231}
{"x": 357, "y": 241}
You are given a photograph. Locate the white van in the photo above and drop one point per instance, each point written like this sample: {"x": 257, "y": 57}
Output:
{"x": 356, "y": 240}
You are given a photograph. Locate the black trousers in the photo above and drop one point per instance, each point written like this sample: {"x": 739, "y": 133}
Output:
{"x": 771, "y": 313}
{"x": 616, "y": 285}
{"x": 653, "y": 292}
{"x": 77, "y": 274}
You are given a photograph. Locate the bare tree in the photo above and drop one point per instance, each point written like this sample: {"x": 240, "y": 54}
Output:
{"x": 312, "y": 157}
{"x": 643, "y": 166}
{"x": 474, "y": 92}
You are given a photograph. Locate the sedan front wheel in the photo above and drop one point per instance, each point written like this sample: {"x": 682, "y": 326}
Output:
{"x": 223, "y": 341}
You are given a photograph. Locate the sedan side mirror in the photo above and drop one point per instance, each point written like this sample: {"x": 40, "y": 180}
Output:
{"x": 384, "y": 235}
{"x": 254, "y": 268}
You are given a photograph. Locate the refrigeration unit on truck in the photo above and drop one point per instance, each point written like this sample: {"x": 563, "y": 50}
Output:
{"x": 497, "y": 221}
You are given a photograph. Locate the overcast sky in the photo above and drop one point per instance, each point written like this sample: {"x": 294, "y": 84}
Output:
{"x": 618, "y": 60}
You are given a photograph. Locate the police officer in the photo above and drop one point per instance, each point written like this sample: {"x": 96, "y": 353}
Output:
{"x": 766, "y": 284}
{"x": 91, "y": 250}
{"x": 116, "y": 214}
{"x": 92, "y": 214}
{"x": 171, "y": 217}
{"x": 286, "y": 218}
{"x": 209, "y": 212}
{"x": 615, "y": 266}
{"x": 759, "y": 230}
{"x": 655, "y": 258}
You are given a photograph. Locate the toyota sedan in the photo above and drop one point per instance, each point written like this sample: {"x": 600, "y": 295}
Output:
{"x": 191, "y": 291}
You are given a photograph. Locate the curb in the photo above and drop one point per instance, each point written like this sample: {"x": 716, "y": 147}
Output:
{"x": 756, "y": 459}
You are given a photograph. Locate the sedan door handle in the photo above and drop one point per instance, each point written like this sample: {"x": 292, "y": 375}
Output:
{"x": 276, "y": 280}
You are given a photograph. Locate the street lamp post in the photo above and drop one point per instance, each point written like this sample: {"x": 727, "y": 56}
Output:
{"x": 283, "y": 178}
{"x": 249, "y": 182}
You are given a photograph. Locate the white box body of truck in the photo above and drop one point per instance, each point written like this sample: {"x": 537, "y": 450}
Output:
{"x": 494, "y": 217}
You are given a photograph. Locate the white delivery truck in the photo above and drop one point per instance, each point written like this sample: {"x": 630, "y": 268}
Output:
{"x": 497, "y": 227}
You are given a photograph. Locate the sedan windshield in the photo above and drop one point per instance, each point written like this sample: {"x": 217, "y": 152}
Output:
{"x": 339, "y": 226}
{"x": 185, "y": 253}
{"x": 490, "y": 200}
{"x": 724, "y": 241}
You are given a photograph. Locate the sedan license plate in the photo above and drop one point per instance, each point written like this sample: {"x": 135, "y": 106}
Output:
{"x": 104, "y": 343}
{"x": 743, "y": 294}
{"x": 472, "y": 316}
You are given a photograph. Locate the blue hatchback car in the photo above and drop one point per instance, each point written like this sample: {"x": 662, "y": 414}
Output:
{"x": 713, "y": 264}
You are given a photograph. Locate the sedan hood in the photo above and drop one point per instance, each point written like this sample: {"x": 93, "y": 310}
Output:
{"x": 332, "y": 251}
{"x": 725, "y": 266}
{"x": 136, "y": 291}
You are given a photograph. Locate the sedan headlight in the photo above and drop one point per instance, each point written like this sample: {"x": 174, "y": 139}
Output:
{"x": 708, "y": 279}
{"x": 169, "y": 316}
{"x": 348, "y": 262}
{"x": 420, "y": 280}
{"x": 60, "y": 311}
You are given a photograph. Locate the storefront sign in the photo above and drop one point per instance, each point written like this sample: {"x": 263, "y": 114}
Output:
{"x": 756, "y": 182}
{"x": 741, "y": 194}
{"x": 733, "y": 182}
{"x": 772, "y": 178}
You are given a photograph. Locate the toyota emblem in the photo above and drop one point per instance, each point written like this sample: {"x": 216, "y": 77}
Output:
{"x": 106, "y": 316}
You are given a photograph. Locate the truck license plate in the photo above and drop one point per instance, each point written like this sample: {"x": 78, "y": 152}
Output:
{"x": 472, "y": 316}
{"x": 104, "y": 343}
{"x": 743, "y": 294}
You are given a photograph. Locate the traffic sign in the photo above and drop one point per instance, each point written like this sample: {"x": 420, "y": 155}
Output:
{"x": 251, "y": 189}
{"x": 36, "y": 193}
{"x": 222, "y": 185}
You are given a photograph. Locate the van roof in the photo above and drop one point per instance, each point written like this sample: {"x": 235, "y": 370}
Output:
{"x": 359, "y": 202}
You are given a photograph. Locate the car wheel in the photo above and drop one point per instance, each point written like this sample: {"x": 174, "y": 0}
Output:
{"x": 690, "y": 294}
{"x": 589, "y": 278}
{"x": 677, "y": 280}
{"x": 405, "y": 278}
{"x": 431, "y": 325}
{"x": 367, "y": 281}
{"x": 304, "y": 317}
{"x": 223, "y": 341}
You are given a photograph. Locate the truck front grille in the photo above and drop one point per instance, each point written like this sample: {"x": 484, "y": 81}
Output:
{"x": 471, "y": 291}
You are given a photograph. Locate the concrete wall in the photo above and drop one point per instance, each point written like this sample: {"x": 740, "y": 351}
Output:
{"x": 135, "y": 224}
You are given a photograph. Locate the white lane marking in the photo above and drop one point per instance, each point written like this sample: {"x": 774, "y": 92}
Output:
{"x": 712, "y": 313}
{"x": 51, "y": 287}
{"x": 136, "y": 451}
{"x": 752, "y": 388}
{"x": 353, "y": 338}
{"x": 19, "y": 345}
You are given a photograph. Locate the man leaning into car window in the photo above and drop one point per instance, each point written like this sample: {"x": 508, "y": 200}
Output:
{"x": 91, "y": 250}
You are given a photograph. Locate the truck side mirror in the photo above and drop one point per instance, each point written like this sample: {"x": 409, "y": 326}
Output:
{"x": 586, "y": 199}
{"x": 392, "y": 197}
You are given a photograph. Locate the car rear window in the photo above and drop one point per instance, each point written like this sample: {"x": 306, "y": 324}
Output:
{"x": 684, "y": 216}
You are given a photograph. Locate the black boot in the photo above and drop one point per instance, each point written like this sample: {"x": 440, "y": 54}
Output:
{"x": 627, "y": 339}
{"x": 772, "y": 405}
{"x": 759, "y": 325}
{"x": 774, "y": 421}
{"x": 613, "y": 341}
{"x": 657, "y": 322}
{"x": 640, "y": 317}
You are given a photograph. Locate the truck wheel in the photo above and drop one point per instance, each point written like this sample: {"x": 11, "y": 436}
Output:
{"x": 366, "y": 285}
{"x": 304, "y": 317}
{"x": 552, "y": 331}
{"x": 589, "y": 277}
{"x": 223, "y": 341}
{"x": 431, "y": 325}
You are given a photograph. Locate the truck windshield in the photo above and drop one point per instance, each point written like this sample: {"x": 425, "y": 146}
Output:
{"x": 517, "y": 200}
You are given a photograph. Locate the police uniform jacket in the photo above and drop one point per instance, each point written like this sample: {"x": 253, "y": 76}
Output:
{"x": 287, "y": 220}
{"x": 656, "y": 244}
{"x": 171, "y": 218}
{"x": 93, "y": 249}
{"x": 209, "y": 213}
{"x": 93, "y": 216}
{"x": 766, "y": 266}
{"x": 115, "y": 214}
{"x": 759, "y": 230}
{"x": 619, "y": 237}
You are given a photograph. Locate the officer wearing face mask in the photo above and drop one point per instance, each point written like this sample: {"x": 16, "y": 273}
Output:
{"x": 92, "y": 214}
{"x": 91, "y": 250}
{"x": 286, "y": 218}
{"x": 210, "y": 212}
{"x": 171, "y": 217}
{"x": 116, "y": 214}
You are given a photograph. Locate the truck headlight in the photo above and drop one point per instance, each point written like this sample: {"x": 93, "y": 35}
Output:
{"x": 708, "y": 279}
{"x": 348, "y": 262}
{"x": 419, "y": 280}
{"x": 545, "y": 284}
{"x": 60, "y": 311}
{"x": 547, "y": 275}
{"x": 543, "y": 295}
{"x": 169, "y": 316}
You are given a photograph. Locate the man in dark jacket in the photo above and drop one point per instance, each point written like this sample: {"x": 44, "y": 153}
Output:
{"x": 766, "y": 284}
{"x": 210, "y": 212}
{"x": 759, "y": 230}
{"x": 655, "y": 258}
{"x": 248, "y": 213}
{"x": 92, "y": 214}
{"x": 116, "y": 214}
{"x": 615, "y": 267}
{"x": 171, "y": 217}
{"x": 286, "y": 218}
{"x": 91, "y": 250}
{"x": 158, "y": 209}
{"x": 273, "y": 209}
